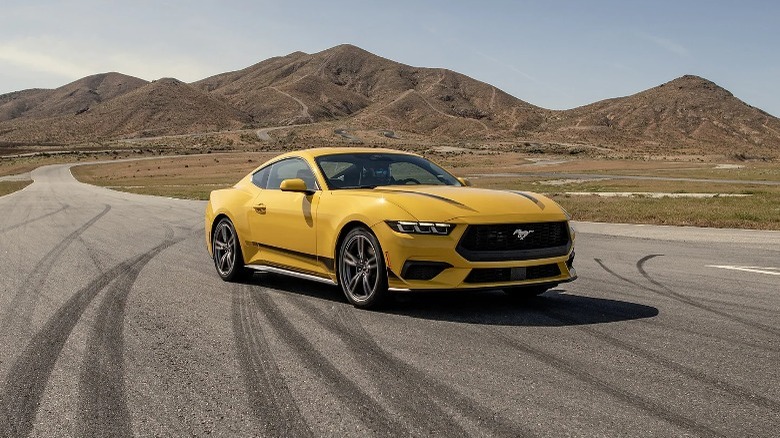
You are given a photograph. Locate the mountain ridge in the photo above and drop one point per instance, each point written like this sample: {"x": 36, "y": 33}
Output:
{"x": 351, "y": 86}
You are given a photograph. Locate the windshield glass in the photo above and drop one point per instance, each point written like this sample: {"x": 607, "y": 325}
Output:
{"x": 367, "y": 170}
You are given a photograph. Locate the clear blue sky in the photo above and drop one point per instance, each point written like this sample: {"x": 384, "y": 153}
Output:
{"x": 555, "y": 54}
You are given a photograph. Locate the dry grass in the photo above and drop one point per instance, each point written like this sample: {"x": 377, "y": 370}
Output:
{"x": 7, "y": 187}
{"x": 193, "y": 177}
{"x": 761, "y": 211}
{"x": 189, "y": 177}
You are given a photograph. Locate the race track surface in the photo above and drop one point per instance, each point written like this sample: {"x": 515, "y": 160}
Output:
{"x": 113, "y": 322}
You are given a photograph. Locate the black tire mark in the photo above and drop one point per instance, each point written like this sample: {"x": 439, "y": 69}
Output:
{"x": 25, "y": 301}
{"x": 269, "y": 397}
{"x": 735, "y": 391}
{"x": 27, "y": 377}
{"x": 102, "y": 404}
{"x": 620, "y": 394}
{"x": 28, "y": 222}
{"x": 652, "y": 322}
{"x": 667, "y": 292}
{"x": 412, "y": 391}
{"x": 367, "y": 410}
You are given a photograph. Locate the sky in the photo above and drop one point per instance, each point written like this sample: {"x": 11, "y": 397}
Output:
{"x": 555, "y": 54}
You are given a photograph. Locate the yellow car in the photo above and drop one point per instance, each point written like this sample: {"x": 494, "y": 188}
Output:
{"x": 376, "y": 221}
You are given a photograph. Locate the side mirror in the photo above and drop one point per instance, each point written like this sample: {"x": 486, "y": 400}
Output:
{"x": 464, "y": 181}
{"x": 294, "y": 185}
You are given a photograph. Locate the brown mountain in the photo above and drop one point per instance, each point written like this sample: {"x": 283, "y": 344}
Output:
{"x": 688, "y": 112}
{"x": 163, "y": 107}
{"x": 346, "y": 81}
{"x": 365, "y": 91}
{"x": 68, "y": 99}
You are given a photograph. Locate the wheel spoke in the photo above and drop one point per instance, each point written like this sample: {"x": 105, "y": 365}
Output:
{"x": 350, "y": 259}
{"x": 371, "y": 262}
{"x": 353, "y": 283}
{"x": 360, "y": 247}
{"x": 366, "y": 285}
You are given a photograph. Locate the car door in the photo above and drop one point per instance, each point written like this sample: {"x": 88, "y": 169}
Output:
{"x": 283, "y": 224}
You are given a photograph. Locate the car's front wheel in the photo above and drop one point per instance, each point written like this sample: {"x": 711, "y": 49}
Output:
{"x": 362, "y": 271}
{"x": 227, "y": 251}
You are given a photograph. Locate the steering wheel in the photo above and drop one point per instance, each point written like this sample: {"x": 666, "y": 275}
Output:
{"x": 407, "y": 181}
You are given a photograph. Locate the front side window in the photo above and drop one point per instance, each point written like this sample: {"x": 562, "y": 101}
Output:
{"x": 260, "y": 178}
{"x": 288, "y": 169}
{"x": 367, "y": 170}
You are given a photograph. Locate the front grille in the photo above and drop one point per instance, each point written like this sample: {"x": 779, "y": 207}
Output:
{"x": 501, "y": 275}
{"x": 515, "y": 241}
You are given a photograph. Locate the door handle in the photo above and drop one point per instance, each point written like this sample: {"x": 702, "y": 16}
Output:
{"x": 259, "y": 208}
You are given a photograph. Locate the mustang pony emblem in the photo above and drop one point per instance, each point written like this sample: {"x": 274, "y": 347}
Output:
{"x": 521, "y": 233}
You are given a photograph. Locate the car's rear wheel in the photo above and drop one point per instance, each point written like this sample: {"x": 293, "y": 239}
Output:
{"x": 227, "y": 251}
{"x": 362, "y": 271}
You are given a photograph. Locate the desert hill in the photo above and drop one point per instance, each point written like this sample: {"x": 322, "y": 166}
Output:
{"x": 68, "y": 99}
{"x": 688, "y": 112}
{"x": 162, "y": 107}
{"x": 346, "y": 81}
{"x": 358, "y": 89}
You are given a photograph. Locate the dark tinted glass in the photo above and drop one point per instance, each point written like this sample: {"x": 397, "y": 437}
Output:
{"x": 366, "y": 170}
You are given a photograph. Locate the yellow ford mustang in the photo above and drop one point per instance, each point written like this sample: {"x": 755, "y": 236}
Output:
{"x": 375, "y": 221}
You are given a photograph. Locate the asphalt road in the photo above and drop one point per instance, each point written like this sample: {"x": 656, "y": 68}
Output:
{"x": 114, "y": 323}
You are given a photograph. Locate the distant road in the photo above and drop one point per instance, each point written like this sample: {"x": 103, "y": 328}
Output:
{"x": 114, "y": 323}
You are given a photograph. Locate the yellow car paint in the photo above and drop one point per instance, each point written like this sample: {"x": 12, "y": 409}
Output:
{"x": 300, "y": 231}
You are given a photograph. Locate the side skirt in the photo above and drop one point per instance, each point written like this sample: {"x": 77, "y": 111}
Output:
{"x": 291, "y": 273}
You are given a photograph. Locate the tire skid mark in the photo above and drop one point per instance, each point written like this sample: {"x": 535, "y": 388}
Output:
{"x": 269, "y": 397}
{"x": 411, "y": 389}
{"x": 29, "y": 221}
{"x": 678, "y": 297}
{"x": 25, "y": 301}
{"x": 648, "y": 406}
{"x": 655, "y": 323}
{"x": 373, "y": 415}
{"x": 27, "y": 377}
{"x": 735, "y": 391}
{"x": 668, "y": 292}
{"x": 102, "y": 404}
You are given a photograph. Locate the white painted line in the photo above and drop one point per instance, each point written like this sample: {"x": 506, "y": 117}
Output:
{"x": 753, "y": 269}
{"x": 654, "y": 195}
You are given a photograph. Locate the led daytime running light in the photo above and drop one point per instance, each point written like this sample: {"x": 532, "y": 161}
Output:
{"x": 411, "y": 227}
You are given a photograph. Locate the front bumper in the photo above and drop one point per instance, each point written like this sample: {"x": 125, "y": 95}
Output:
{"x": 431, "y": 262}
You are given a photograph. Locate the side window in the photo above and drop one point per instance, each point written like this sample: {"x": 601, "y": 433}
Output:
{"x": 291, "y": 168}
{"x": 260, "y": 178}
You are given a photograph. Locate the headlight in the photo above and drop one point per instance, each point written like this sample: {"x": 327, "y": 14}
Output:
{"x": 411, "y": 227}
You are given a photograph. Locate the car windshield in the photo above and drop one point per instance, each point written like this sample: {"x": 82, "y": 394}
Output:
{"x": 369, "y": 170}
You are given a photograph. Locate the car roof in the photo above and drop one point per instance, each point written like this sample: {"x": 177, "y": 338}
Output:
{"x": 318, "y": 152}
{"x": 312, "y": 153}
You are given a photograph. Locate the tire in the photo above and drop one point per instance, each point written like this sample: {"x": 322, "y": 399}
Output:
{"x": 361, "y": 269}
{"x": 526, "y": 292}
{"x": 226, "y": 251}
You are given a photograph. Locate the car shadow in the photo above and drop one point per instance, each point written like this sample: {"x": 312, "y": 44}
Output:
{"x": 554, "y": 308}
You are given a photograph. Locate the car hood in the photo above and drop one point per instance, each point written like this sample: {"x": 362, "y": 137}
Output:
{"x": 450, "y": 203}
